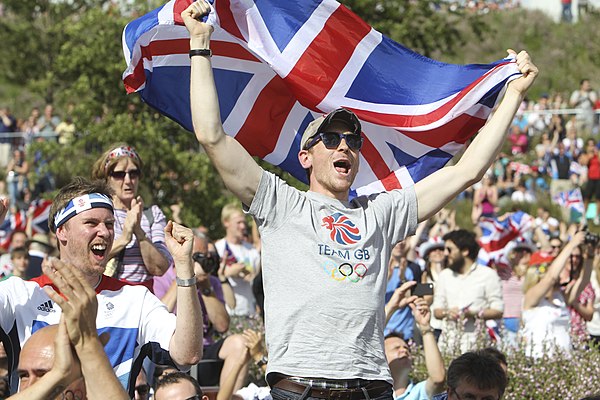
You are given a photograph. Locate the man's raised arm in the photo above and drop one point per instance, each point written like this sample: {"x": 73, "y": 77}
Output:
{"x": 442, "y": 186}
{"x": 238, "y": 169}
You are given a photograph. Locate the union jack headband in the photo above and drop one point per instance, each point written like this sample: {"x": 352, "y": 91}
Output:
{"x": 123, "y": 151}
{"x": 81, "y": 204}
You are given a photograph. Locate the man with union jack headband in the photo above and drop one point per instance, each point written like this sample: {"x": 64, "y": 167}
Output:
{"x": 324, "y": 257}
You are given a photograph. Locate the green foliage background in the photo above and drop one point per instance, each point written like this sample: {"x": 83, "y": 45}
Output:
{"x": 69, "y": 53}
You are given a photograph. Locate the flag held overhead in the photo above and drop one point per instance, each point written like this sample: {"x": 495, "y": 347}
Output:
{"x": 276, "y": 70}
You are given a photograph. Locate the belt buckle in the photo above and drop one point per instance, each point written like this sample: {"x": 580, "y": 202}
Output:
{"x": 341, "y": 393}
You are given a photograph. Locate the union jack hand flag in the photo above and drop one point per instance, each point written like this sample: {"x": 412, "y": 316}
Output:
{"x": 280, "y": 64}
{"x": 570, "y": 199}
{"x": 496, "y": 233}
{"x": 12, "y": 222}
{"x": 40, "y": 210}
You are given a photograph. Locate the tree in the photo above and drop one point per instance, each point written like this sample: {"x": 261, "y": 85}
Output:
{"x": 425, "y": 26}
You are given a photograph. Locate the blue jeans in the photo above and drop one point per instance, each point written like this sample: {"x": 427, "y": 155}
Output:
{"x": 280, "y": 394}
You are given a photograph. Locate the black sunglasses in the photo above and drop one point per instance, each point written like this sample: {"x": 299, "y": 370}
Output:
{"x": 133, "y": 174}
{"x": 332, "y": 140}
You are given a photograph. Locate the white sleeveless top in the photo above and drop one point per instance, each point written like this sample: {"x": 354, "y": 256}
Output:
{"x": 546, "y": 327}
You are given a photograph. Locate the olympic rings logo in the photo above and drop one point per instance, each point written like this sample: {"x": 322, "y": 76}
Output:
{"x": 346, "y": 271}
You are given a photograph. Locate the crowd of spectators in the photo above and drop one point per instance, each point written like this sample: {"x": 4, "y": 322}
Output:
{"x": 546, "y": 292}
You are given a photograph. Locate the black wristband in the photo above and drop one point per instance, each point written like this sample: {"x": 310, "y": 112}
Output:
{"x": 200, "y": 52}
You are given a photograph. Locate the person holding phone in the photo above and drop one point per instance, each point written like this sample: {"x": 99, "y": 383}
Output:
{"x": 400, "y": 270}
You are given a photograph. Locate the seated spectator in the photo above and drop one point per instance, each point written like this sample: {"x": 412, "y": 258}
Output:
{"x": 19, "y": 257}
{"x": 465, "y": 291}
{"x": 68, "y": 359}
{"x": 519, "y": 140}
{"x": 474, "y": 375}
{"x": 545, "y": 304}
{"x": 522, "y": 195}
{"x": 17, "y": 239}
{"x": 40, "y": 247}
{"x": 178, "y": 386}
{"x": 215, "y": 317}
{"x": 399, "y": 358}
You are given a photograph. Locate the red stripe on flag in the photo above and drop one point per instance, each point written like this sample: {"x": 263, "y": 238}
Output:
{"x": 458, "y": 130}
{"x": 378, "y": 166}
{"x": 416, "y": 120}
{"x": 226, "y": 20}
{"x": 169, "y": 47}
{"x": 178, "y": 7}
{"x": 233, "y": 50}
{"x": 262, "y": 127}
{"x": 318, "y": 68}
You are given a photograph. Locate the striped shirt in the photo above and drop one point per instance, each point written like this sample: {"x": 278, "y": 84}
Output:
{"x": 512, "y": 293}
{"x": 132, "y": 268}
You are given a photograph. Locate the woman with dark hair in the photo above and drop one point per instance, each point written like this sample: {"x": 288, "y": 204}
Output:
{"x": 139, "y": 251}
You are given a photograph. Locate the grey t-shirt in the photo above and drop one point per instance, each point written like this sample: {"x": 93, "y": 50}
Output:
{"x": 324, "y": 270}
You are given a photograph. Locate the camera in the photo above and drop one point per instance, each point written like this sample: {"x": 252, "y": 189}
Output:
{"x": 591, "y": 238}
{"x": 208, "y": 261}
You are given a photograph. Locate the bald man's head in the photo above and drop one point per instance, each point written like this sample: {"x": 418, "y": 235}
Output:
{"x": 37, "y": 358}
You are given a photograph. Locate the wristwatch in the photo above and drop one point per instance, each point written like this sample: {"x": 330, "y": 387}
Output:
{"x": 185, "y": 282}
{"x": 263, "y": 361}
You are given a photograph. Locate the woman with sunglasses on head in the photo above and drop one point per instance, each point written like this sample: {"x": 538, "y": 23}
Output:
{"x": 582, "y": 308}
{"x": 139, "y": 251}
{"x": 545, "y": 304}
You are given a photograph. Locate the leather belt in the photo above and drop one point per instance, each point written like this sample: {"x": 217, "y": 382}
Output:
{"x": 373, "y": 389}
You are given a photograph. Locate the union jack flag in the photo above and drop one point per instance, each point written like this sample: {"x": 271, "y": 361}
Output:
{"x": 12, "y": 222}
{"x": 40, "y": 210}
{"x": 280, "y": 64}
{"x": 496, "y": 233}
{"x": 570, "y": 199}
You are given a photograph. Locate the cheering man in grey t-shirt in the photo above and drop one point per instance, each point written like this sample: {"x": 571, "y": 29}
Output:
{"x": 324, "y": 258}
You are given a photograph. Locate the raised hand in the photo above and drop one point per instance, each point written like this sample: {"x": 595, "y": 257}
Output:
{"x": 421, "y": 312}
{"x": 527, "y": 68}
{"x": 78, "y": 301}
{"x": 179, "y": 240}
{"x": 191, "y": 17}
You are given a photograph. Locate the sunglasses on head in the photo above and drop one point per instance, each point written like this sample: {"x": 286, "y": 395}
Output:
{"x": 133, "y": 174}
{"x": 332, "y": 140}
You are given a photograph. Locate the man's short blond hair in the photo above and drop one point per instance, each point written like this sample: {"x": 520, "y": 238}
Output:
{"x": 229, "y": 210}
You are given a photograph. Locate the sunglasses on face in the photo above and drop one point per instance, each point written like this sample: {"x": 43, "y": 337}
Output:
{"x": 332, "y": 140}
{"x": 119, "y": 175}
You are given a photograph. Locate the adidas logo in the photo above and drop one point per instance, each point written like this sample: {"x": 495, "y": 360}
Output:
{"x": 46, "y": 307}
